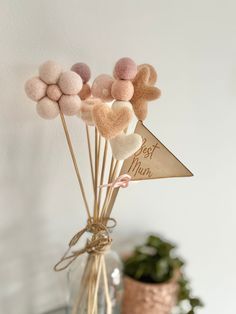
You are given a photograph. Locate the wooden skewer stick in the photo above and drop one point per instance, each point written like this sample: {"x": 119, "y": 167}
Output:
{"x": 102, "y": 173}
{"x": 111, "y": 190}
{"x": 97, "y": 280}
{"x": 84, "y": 285}
{"x": 95, "y": 175}
{"x": 108, "y": 181}
{"x": 97, "y": 160}
{"x": 90, "y": 154}
{"x": 106, "y": 287}
{"x": 74, "y": 162}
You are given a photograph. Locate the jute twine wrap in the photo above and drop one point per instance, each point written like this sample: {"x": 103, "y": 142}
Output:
{"x": 140, "y": 298}
{"x": 98, "y": 244}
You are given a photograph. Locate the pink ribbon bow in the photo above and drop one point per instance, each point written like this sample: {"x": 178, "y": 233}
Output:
{"x": 120, "y": 182}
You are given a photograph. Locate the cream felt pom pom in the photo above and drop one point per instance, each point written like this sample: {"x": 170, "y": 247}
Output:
{"x": 70, "y": 83}
{"x": 122, "y": 103}
{"x": 123, "y": 146}
{"x": 50, "y": 72}
{"x": 125, "y": 69}
{"x": 47, "y": 108}
{"x": 69, "y": 104}
{"x": 86, "y": 108}
{"x": 101, "y": 87}
{"x": 54, "y": 92}
{"x": 83, "y": 70}
{"x": 35, "y": 89}
{"x": 122, "y": 90}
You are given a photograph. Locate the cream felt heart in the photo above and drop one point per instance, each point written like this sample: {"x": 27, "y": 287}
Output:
{"x": 124, "y": 146}
{"x": 121, "y": 103}
{"x": 111, "y": 122}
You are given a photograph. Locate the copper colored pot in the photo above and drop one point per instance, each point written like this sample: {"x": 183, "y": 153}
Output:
{"x": 143, "y": 298}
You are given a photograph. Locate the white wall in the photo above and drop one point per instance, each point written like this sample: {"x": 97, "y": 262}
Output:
{"x": 192, "y": 45}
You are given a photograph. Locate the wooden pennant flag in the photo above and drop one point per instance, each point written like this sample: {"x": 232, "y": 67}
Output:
{"x": 153, "y": 160}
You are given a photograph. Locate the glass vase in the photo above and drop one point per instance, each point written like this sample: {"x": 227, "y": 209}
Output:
{"x": 95, "y": 284}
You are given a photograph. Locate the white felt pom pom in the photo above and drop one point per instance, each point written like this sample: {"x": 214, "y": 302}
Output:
{"x": 35, "y": 89}
{"x": 122, "y": 103}
{"x": 123, "y": 146}
{"x": 70, "y": 104}
{"x": 50, "y": 72}
{"x": 47, "y": 108}
{"x": 70, "y": 83}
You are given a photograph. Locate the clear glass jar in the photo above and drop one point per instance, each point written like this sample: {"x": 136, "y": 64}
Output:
{"x": 90, "y": 293}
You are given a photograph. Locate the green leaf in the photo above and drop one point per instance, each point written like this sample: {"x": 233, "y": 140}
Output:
{"x": 154, "y": 241}
{"x": 195, "y": 302}
{"x": 177, "y": 262}
{"x": 165, "y": 249}
{"x": 162, "y": 267}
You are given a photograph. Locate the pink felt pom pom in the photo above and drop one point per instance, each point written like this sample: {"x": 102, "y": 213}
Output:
{"x": 35, "y": 89}
{"x": 83, "y": 70}
{"x": 125, "y": 69}
{"x": 47, "y": 108}
{"x": 70, "y": 83}
{"x": 122, "y": 90}
{"x": 101, "y": 87}
{"x": 69, "y": 104}
{"x": 50, "y": 72}
{"x": 54, "y": 92}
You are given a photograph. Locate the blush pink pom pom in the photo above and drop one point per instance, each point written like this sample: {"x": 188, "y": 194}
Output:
{"x": 122, "y": 90}
{"x": 35, "y": 88}
{"x": 54, "y": 92}
{"x": 50, "y": 72}
{"x": 101, "y": 87}
{"x": 125, "y": 69}
{"x": 83, "y": 70}
{"x": 70, "y": 104}
{"x": 47, "y": 108}
{"x": 70, "y": 83}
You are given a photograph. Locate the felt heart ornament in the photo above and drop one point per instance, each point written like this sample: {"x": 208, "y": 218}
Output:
{"x": 123, "y": 146}
{"x": 111, "y": 122}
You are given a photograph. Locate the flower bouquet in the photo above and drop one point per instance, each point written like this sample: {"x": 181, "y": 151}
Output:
{"x": 116, "y": 156}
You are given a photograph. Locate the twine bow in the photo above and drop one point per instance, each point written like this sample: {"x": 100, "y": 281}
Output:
{"x": 120, "y": 182}
{"x": 98, "y": 244}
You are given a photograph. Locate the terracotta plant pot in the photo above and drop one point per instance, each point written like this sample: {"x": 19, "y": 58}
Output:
{"x": 144, "y": 298}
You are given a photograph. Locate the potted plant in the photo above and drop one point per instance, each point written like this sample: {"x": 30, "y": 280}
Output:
{"x": 155, "y": 282}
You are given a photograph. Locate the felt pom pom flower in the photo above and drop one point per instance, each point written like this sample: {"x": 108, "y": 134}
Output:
{"x": 55, "y": 90}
